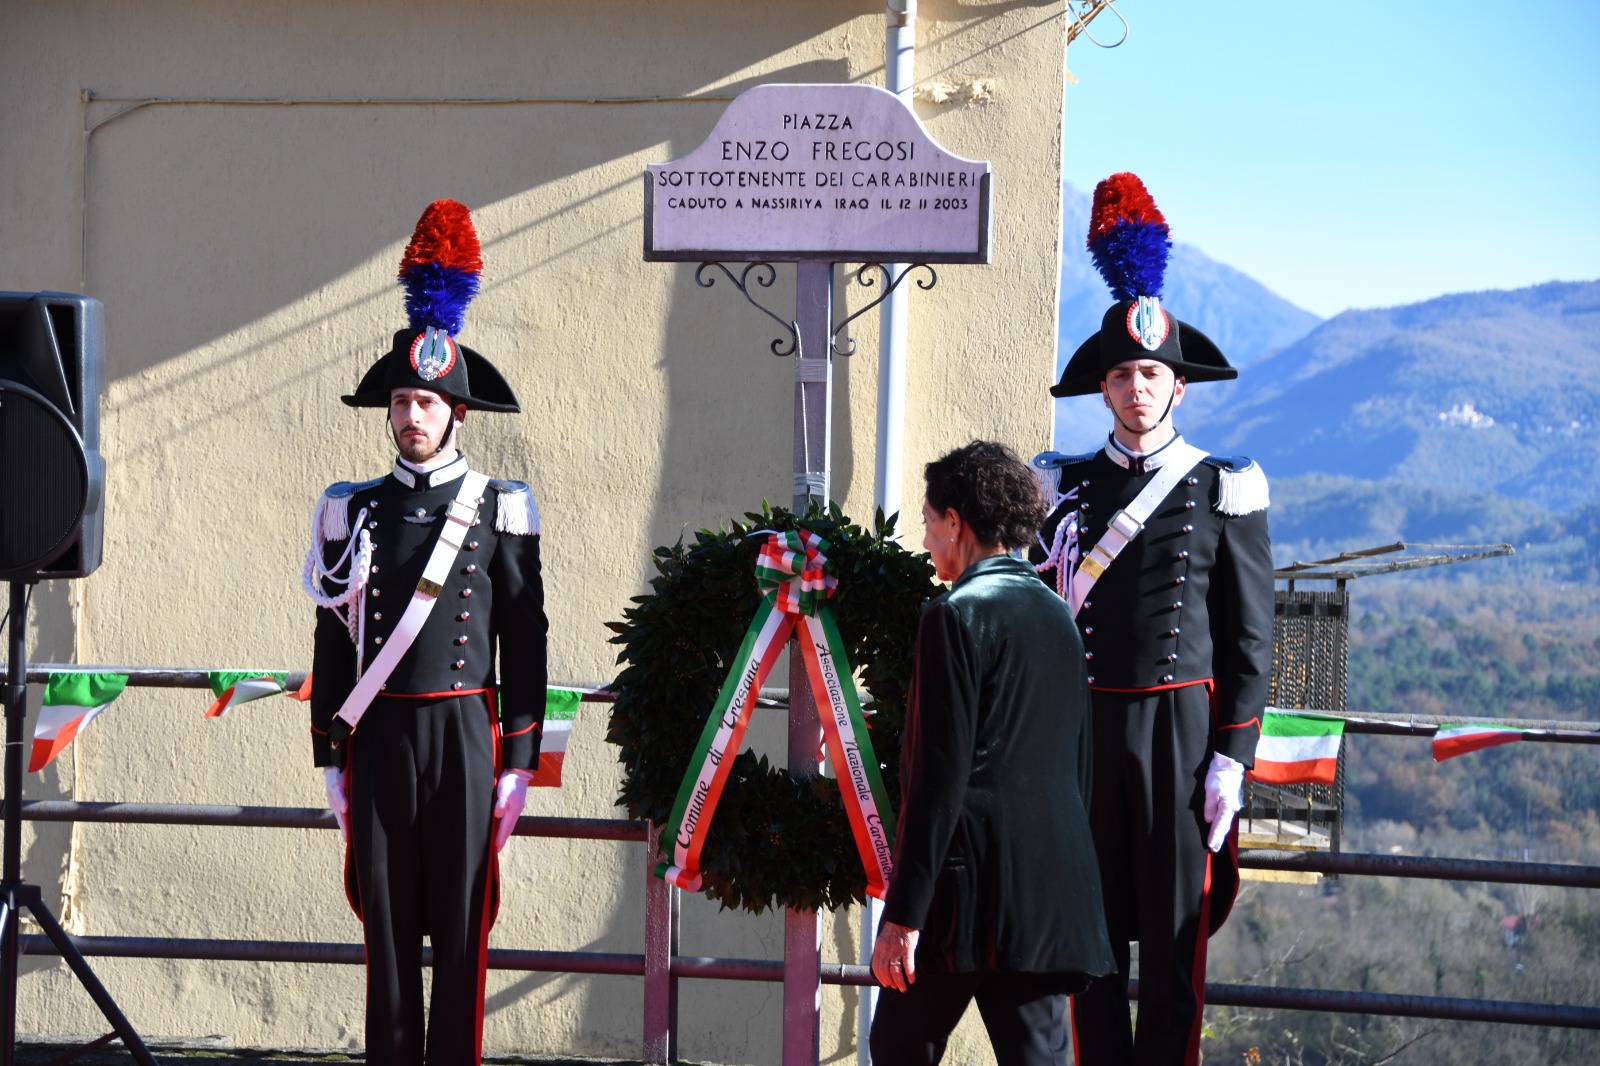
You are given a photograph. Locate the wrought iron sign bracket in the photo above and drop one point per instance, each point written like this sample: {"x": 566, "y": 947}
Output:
{"x": 866, "y": 280}
{"x": 765, "y": 275}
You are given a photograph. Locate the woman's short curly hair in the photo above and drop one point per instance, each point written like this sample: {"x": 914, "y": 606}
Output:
{"x": 992, "y": 490}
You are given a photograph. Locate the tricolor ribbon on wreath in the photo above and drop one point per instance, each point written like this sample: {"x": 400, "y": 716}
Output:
{"x": 792, "y": 575}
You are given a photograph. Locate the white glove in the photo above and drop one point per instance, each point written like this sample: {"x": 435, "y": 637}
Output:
{"x": 338, "y": 798}
{"x": 1224, "y": 797}
{"x": 510, "y": 796}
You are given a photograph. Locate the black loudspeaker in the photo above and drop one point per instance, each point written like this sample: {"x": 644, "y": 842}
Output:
{"x": 52, "y": 480}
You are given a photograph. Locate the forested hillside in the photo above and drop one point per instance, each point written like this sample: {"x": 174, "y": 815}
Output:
{"x": 1457, "y": 642}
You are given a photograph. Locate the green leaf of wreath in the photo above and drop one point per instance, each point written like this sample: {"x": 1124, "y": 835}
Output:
{"x": 774, "y": 841}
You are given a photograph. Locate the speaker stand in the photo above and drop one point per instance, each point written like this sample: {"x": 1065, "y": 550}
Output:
{"x": 15, "y": 896}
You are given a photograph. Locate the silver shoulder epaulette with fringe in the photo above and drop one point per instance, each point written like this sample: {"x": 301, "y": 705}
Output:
{"x": 333, "y": 511}
{"x": 1046, "y": 467}
{"x": 1241, "y": 485}
{"x": 516, "y": 511}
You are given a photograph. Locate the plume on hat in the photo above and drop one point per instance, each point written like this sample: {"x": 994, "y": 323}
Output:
{"x": 441, "y": 266}
{"x": 1128, "y": 238}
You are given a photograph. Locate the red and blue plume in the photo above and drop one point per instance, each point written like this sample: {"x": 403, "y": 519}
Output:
{"x": 441, "y": 267}
{"x": 1128, "y": 238}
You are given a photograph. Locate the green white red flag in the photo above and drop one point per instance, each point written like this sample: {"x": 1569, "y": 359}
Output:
{"x": 72, "y": 700}
{"x": 792, "y": 574}
{"x": 1297, "y": 749}
{"x": 560, "y": 711}
{"x": 1453, "y": 740}
{"x": 233, "y": 687}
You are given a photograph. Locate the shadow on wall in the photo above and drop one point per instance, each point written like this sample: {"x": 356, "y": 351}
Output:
{"x": 715, "y": 347}
{"x": 289, "y": 171}
{"x": 717, "y": 359}
{"x": 193, "y": 225}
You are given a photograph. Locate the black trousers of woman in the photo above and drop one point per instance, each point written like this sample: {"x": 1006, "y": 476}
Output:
{"x": 421, "y": 807}
{"x": 1026, "y": 1021}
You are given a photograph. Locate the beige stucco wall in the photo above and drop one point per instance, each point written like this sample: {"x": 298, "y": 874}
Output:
{"x": 245, "y": 254}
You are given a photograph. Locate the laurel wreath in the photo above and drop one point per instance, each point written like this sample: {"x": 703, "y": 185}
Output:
{"x": 774, "y": 840}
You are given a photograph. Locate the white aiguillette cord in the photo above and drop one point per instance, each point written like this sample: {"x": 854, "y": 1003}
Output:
{"x": 452, "y": 532}
{"x": 1129, "y": 522}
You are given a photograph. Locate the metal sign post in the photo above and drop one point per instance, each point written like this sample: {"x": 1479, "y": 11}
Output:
{"x": 815, "y": 175}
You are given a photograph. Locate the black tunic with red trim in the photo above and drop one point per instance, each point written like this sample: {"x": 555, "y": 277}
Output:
{"x": 1190, "y": 597}
{"x": 492, "y": 599}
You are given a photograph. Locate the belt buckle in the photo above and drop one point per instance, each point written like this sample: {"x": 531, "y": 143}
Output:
{"x": 1126, "y": 525}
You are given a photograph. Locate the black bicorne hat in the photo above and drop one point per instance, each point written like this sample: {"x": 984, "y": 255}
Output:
{"x": 1130, "y": 243}
{"x": 439, "y": 272}
{"x": 1190, "y": 353}
{"x": 457, "y": 370}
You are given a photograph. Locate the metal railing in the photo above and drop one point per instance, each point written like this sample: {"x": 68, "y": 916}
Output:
{"x": 661, "y": 966}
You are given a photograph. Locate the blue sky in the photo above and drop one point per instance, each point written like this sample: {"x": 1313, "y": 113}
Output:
{"x": 1359, "y": 154}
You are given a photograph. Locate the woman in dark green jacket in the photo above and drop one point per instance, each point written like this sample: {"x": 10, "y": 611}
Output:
{"x": 995, "y": 894}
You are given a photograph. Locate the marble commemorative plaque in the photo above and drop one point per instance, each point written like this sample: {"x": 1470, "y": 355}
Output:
{"x": 844, "y": 173}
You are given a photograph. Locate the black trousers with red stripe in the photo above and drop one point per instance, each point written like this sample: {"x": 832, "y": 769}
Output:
{"x": 422, "y": 777}
{"x": 1147, "y": 813}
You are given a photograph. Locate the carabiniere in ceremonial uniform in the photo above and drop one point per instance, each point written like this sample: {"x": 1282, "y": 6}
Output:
{"x": 1163, "y": 553}
{"x": 424, "y": 579}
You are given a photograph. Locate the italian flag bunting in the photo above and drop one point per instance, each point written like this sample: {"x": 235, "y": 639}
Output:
{"x": 1453, "y": 740}
{"x": 71, "y": 702}
{"x": 560, "y": 710}
{"x": 1297, "y": 749}
{"x": 233, "y": 687}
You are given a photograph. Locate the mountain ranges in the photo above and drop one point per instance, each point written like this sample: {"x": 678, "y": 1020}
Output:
{"x": 1470, "y": 417}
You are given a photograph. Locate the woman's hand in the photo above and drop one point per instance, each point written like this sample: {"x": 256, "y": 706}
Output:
{"x": 893, "y": 956}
